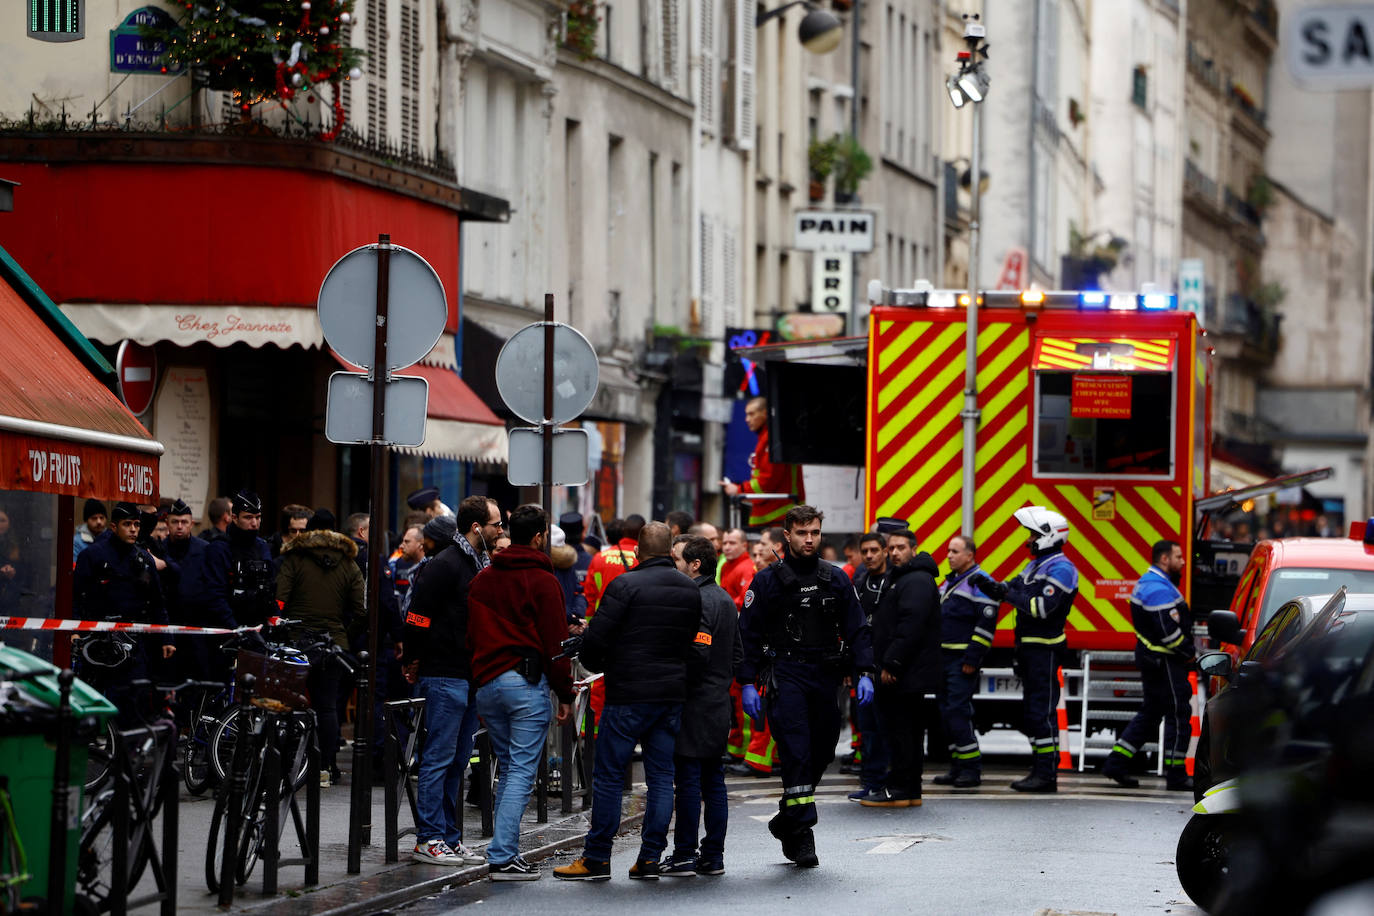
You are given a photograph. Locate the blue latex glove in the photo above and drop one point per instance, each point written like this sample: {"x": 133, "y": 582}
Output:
{"x": 753, "y": 706}
{"x": 864, "y": 690}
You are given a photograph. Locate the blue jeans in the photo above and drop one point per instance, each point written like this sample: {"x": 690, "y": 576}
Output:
{"x": 450, "y": 722}
{"x": 654, "y": 727}
{"x": 517, "y": 716}
{"x": 700, "y": 779}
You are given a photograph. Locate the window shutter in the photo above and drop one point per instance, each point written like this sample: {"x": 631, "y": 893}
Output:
{"x": 410, "y": 75}
{"x": 670, "y": 27}
{"x": 706, "y": 98}
{"x": 708, "y": 271}
{"x": 376, "y": 37}
{"x": 730, "y": 266}
{"x": 744, "y": 74}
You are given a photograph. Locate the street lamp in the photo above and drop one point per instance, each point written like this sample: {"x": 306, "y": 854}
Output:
{"x": 820, "y": 32}
{"x": 970, "y": 84}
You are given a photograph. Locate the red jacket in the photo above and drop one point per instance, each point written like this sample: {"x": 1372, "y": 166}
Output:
{"x": 605, "y": 566}
{"x": 735, "y": 577}
{"x": 768, "y": 477}
{"x": 516, "y": 603}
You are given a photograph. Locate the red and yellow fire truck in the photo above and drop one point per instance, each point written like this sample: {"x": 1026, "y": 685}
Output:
{"x": 1093, "y": 404}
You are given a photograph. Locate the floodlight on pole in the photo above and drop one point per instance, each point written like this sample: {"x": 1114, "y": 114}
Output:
{"x": 974, "y": 83}
{"x": 956, "y": 95}
{"x": 820, "y": 31}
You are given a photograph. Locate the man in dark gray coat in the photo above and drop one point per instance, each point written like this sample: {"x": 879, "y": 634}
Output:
{"x": 698, "y": 773}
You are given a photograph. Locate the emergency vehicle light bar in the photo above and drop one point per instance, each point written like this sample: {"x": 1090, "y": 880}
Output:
{"x": 924, "y": 296}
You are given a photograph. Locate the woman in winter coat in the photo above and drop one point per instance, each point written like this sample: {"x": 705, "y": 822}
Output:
{"x": 565, "y": 570}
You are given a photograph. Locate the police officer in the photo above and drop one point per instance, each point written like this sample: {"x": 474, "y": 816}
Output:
{"x": 188, "y": 594}
{"x": 115, "y": 579}
{"x": 1042, "y": 594}
{"x": 968, "y": 619}
{"x": 803, "y": 631}
{"x": 239, "y": 568}
{"x": 1164, "y": 653}
{"x": 870, "y": 580}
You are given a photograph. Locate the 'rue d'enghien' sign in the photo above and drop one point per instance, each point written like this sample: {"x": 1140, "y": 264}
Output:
{"x": 57, "y": 20}
{"x": 131, "y": 52}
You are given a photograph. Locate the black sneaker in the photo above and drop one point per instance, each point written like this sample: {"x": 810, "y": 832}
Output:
{"x": 946, "y": 779}
{"x": 1118, "y": 774}
{"x": 788, "y": 840}
{"x": 806, "y": 850}
{"x": 968, "y": 779}
{"x": 679, "y": 867}
{"x": 710, "y": 867}
{"x": 516, "y": 869}
{"x": 644, "y": 870}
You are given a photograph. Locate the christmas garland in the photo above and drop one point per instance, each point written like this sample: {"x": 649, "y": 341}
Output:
{"x": 264, "y": 50}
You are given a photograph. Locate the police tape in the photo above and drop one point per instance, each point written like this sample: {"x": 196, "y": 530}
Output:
{"x": 107, "y": 626}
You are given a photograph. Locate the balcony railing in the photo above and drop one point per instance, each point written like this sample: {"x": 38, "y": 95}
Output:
{"x": 1241, "y": 209}
{"x": 1198, "y": 183}
{"x": 1255, "y": 325}
{"x": 1203, "y": 68}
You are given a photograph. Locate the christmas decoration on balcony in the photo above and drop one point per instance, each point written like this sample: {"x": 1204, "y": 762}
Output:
{"x": 265, "y": 51}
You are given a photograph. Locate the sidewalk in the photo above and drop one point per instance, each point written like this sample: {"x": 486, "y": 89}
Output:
{"x": 379, "y": 885}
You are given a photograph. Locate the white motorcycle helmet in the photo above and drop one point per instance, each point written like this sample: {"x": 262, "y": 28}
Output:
{"x": 1050, "y": 530}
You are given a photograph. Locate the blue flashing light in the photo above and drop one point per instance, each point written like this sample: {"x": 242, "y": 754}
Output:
{"x": 1157, "y": 302}
{"x": 1092, "y": 300}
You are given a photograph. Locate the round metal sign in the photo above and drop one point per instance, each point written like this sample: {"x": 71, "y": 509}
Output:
{"x": 417, "y": 309}
{"x": 520, "y": 373}
{"x": 136, "y": 369}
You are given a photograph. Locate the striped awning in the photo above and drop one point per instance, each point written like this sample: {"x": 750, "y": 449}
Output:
{"x": 1099, "y": 354}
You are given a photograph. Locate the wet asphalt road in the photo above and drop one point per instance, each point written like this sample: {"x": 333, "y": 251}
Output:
{"x": 1091, "y": 849}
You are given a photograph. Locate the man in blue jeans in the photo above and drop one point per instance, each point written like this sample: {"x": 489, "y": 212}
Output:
{"x": 435, "y": 643}
{"x": 516, "y": 625}
{"x": 643, "y": 639}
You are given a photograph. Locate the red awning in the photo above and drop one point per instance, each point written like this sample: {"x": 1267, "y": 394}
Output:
{"x": 459, "y": 425}
{"x": 61, "y": 430}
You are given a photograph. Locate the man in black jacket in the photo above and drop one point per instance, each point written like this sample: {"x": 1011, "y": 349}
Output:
{"x": 906, "y": 649}
{"x": 436, "y": 643}
{"x": 642, "y": 637}
{"x": 699, "y": 775}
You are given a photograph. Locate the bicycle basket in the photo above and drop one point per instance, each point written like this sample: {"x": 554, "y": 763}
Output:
{"x": 276, "y": 679}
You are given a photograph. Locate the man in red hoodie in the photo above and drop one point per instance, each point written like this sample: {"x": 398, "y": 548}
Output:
{"x": 516, "y": 625}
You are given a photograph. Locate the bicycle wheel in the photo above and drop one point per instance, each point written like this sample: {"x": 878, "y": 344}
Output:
{"x": 95, "y": 852}
{"x": 197, "y": 771}
{"x": 219, "y": 825}
{"x": 98, "y": 758}
{"x": 226, "y": 733}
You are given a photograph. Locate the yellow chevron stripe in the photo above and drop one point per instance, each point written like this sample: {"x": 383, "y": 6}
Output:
{"x": 1132, "y": 519}
{"x": 893, "y": 349}
{"x": 1005, "y": 398}
{"x": 940, "y": 348}
{"x": 1083, "y": 506}
{"x": 1114, "y": 618}
{"x": 939, "y": 460}
{"x": 931, "y": 426}
{"x": 1013, "y": 349}
{"x": 919, "y": 402}
{"x": 999, "y": 478}
{"x": 1166, "y": 508}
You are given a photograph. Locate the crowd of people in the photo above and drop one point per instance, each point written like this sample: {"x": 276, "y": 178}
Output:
{"x": 716, "y": 650}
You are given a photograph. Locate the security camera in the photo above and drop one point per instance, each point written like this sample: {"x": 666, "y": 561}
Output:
{"x": 973, "y": 28}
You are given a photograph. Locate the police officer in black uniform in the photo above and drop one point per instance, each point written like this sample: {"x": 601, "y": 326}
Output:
{"x": 1042, "y": 593}
{"x": 115, "y": 579}
{"x": 189, "y": 598}
{"x": 239, "y": 570}
{"x": 803, "y": 632}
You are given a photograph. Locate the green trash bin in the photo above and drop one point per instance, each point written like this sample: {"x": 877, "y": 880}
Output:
{"x": 28, "y": 755}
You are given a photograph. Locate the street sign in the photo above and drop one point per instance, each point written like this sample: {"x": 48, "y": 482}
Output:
{"x": 130, "y": 52}
{"x": 136, "y": 371}
{"x": 830, "y": 286}
{"x": 348, "y": 412}
{"x": 520, "y": 373}
{"x": 348, "y": 307}
{"x": 834, "y": 230}
{"x": 525, "y": 463}
{"x": 1191, "y": 287}
{"x": 1330, "y": 47}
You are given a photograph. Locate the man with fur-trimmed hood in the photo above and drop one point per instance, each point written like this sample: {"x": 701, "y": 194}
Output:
{"x": 320, "y": 585}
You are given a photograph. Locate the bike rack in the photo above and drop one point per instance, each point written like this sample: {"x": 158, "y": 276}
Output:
{"x": 482, "y": 773}
{"x": 567, "y": 737}
{"x": 307, "y": 832}
{"x": 162, "y": 863}
{"x": 234, "y": 787}
{"x": 400, "y": 716}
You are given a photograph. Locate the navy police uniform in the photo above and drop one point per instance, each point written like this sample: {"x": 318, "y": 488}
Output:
{"x": 803, "y": 631}
{"x": 241, "y": 579}
{"x": 1164, "y": 653}
{"x": 968, "y": 619}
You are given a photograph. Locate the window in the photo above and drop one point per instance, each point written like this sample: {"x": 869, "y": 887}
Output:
{"x": 1074, "y": 438}
{"x": 1276, "y": 634}
{"x": 1288, "y": 583}
{"x": 1139, "y": 86}
{"x": 57, "y": 20}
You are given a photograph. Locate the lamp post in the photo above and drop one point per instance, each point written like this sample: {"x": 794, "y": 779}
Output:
{"x": 970, "y": 84}
{"x": 820, "y": 32}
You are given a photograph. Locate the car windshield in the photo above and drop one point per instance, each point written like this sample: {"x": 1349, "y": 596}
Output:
{"x": 1290, "y": 582}
{"x": 1333, "y": 661}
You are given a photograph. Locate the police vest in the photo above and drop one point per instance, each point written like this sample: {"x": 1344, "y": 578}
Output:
{"x": 250, "y": 587}
{"x": 809, "y": 618}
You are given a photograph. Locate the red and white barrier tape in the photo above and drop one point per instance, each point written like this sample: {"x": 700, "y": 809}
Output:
{"x": 105, "y": 626}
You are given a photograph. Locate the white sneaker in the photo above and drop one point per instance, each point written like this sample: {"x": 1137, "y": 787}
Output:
{"x": 436, "y": 852}
{"x": 325, "y": 781}
{"x": 468, "y": 854}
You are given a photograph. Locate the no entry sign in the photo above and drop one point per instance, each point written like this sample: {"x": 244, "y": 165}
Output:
{"x": 136, "y": 366}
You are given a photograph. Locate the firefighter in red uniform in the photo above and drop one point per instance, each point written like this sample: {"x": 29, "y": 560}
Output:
{"x": 766, "y": 477}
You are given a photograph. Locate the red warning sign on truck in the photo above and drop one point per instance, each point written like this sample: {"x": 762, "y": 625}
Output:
{"x": 1101, "y": 396}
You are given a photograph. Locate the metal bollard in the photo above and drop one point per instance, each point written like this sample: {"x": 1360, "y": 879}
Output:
{"x": 233, "y": 802}
{"x": 61, "y": 786}
{"x": 272, "y": 782}
{"x": 312, "y": 810}
{"x": 360, "y": 795}
{"x": 171, "y": 823}
{"x": 483, "y": 776}
{"x": 541, "y": 786}
{"x": 391, "y": 757}
{"x": 567, "y": 739}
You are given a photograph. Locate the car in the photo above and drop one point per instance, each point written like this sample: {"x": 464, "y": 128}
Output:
{"x": 1280, "y": 569}
{"x": 1294, "y": 818}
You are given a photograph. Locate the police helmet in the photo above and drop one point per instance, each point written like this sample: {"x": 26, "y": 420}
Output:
{"x": 1049, "y": 529}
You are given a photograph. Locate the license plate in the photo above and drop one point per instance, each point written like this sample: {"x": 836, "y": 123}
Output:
{"x": 1007, "y": 684}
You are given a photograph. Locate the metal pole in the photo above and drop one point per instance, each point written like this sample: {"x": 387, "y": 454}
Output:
{"x": 546, "y": 428}
{"x": 856, "y": 45}
{"x": 61, "y": 789}
{"x": 970, "y": 413}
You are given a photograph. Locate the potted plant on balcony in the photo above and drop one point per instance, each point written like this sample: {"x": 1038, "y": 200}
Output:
{"x": 580, "y": 34}
{"x": 820, "y": 156}
{"x": 852, "y": 165}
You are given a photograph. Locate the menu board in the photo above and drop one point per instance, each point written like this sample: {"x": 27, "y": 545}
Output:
{"x": 182, "y": 423}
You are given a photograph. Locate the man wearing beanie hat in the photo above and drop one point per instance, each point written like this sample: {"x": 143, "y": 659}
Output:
{"x": 115, "y": 579}
{"x": 92, "y": 528}
{"x": 239, "y": 568}
{"x": 428, "y": 502}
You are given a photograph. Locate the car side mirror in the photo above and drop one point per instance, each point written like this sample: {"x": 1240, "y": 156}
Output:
{"x": 1215, "y": 664}
{"x": 1224, "y": 626}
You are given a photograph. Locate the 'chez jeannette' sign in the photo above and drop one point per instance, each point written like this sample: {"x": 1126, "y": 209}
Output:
{"x": 130, "y": 52}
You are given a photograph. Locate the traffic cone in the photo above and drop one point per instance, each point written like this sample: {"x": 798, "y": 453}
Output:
{"x": 1194, "y": 721}
{"x": 1062, "y": 714}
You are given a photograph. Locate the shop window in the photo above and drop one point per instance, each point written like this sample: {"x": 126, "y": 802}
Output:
{"x": 1104, "y": 424}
